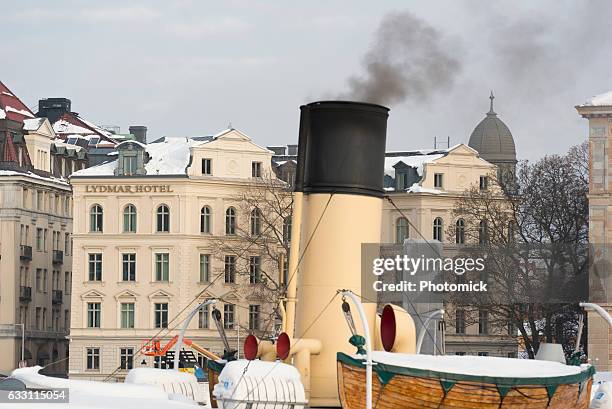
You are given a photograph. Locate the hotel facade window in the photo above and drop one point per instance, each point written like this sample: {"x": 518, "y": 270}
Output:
{"x": 95, "y": 267}
{"x": 93, "y": 359}
{"x": 228, "y": 316}
{"x": 96, "y": 219}
{"x": 128, "y": 266}
{"x": 207, "y": 166}
{"x": 401, "y": 230}
{"x": 438, "y": 225}
{"x": 129, "y": 165}
{"x": 94, "y": 311}
{"x": 126, "y": 358}
{"x": 401, "y": 181}
{"x": 129, "y": 219}
{"x": 254, "y": 317}
{"x": 204, "y": 268}
{"x": 163, "y": 218}
{"x": 39, "y": 240}
{"x": 483, "y": 322}
{"x": 205, "y": 215}
{"x": 460, "y": 231}
{"x": 460, "y": 321}
{"x": 484, "y": 183}
{"x": 256, "y": 169}
{"x": 127, "y": 314}
{"x": 203, "y": 318}
{"x": 482, "y": 232}
{"x": 438, "y": 180}
{"x": 230, "y": 221}
{"x": 254, "y": 269}
{"x": 255, "y": 222}
{"x": 161, "y": 315}
{"x": 230, "y": 269}
{"x": 162, "y": 267}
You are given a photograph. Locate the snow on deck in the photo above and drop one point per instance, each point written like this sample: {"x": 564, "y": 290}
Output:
{"x": 478, "y": 365}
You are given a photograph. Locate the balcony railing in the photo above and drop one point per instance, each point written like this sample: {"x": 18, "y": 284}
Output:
{"x": 25, "y": 294}
{"x": 57, "y": 297}
{"x": 25, "y": 252}
{"x": 58, "y": 257}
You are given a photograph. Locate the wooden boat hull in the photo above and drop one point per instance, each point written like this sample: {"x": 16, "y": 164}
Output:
{"x": 421, "y": 392}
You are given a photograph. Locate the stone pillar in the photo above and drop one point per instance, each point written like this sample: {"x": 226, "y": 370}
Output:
{"x": 600, "y": 230}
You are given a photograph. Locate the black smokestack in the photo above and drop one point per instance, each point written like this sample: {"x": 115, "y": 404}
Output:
{"x": 341, "y": 148}
{"x": 407, "y": 60}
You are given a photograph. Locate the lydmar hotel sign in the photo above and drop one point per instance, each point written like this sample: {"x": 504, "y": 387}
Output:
{"x": 128, "y": 189}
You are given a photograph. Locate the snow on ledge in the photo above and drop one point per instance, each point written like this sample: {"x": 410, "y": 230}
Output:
{"x": 599, "y": 100}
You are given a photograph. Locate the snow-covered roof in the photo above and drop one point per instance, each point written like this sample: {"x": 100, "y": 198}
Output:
{"x": 282, "y": 162}
{"x": 71, "y": 124}
{"x": 32, "y": 124}
{"x": 414, "y": 159}
{"x": 142, "y": 145}
{"x": 61, "y": 126}
{"x": 416, "y": 188}
{"x": 52, "y": 179}
{"x": 167, "y": 156}
{"x": 11, "y": 107}
{"x": 599, "y": 100}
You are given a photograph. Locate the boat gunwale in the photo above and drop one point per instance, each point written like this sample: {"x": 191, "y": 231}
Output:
{"x": 379, "y": 367}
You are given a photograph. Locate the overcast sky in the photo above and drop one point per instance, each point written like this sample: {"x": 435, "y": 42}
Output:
{"x": 191, "y": 67}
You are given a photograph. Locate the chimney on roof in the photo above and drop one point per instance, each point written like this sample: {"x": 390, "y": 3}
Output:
{"x": 292, "y": 150}
{"x": 53, "y": 108}
{"x": 278, "y": 150}
{"x": 139, "y": 132}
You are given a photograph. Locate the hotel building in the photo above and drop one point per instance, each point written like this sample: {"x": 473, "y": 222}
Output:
{"x": 153, "y": 235}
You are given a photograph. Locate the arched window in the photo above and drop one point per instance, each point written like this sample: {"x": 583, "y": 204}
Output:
{"x": 460, "y": 231}
{"x": 401, "y": 230}
{"x": 287, "y": 230}
{"x": 129, "y": 219}
{"x": 163, "y": 218}
{"x": 230, "y": 221}
{"x": 255, "y": 222}
{"x": 96, "y": 218}
{"x": 205, "y": 215}
{"x": 437, "y": 229}
{"x": 482, "y": 232}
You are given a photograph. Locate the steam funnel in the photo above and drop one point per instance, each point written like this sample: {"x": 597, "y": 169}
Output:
{"x": 340, "y": 179}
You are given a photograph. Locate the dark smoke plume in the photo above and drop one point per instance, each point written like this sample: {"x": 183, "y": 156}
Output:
{"x": 407, "y": 60}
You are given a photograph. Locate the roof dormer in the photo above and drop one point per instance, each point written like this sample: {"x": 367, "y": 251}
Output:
{"x": 132, "y": 157}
